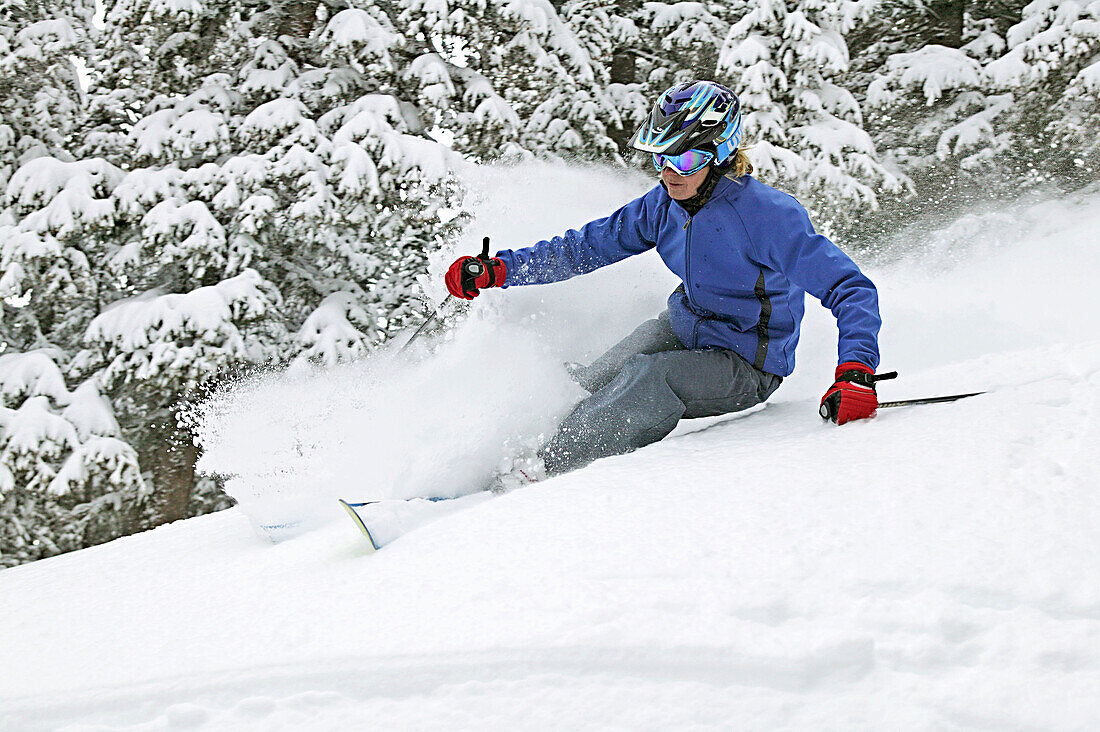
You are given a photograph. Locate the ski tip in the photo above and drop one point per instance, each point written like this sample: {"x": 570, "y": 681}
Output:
{"x": 280, "y": 532}
{"x": 350, "y": 508}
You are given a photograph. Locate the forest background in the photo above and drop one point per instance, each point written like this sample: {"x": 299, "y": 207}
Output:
{"x": 195, "y": 188}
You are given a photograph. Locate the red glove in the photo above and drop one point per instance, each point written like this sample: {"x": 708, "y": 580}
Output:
{"x": 468, "y": 275}
{"x": 852, "y": 395}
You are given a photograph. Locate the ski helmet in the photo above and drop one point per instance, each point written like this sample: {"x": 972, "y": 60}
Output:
{"x": 693, "y": 115}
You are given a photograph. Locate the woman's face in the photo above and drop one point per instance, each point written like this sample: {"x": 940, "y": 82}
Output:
{"x": 683, "y": 187}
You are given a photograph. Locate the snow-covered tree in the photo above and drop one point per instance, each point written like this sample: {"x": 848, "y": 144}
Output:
{"x": 641, "y": 48}
{"x": 930, "y": 93}
{"x": 262, "y": 197}
{"x": 788, "y": 62}
{"x": 40, "y": 94}
{"x": 150, "y": 350}
{"x": 510, "y": 77}
{"x": 684, "y": 39}
{"x": 1051, "y": 67}
{"x": 301, "y": 169}
{"x": 608, "y": 30}
{"x": 66, "y": 478}
{"x": 1002, "y": 106}
{"x": 250, "y": 183}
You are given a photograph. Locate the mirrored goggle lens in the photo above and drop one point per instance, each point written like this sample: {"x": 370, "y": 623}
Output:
{"x": 686, "y": 163}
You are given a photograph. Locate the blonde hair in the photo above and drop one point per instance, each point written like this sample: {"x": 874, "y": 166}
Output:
{"x": 741, "y": 164}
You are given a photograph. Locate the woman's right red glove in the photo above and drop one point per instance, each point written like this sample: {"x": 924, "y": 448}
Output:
{"x": 467, "y": 275}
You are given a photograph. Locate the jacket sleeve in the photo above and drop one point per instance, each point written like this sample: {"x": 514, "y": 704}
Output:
{"x": 630, "y": 230}
{"x": 788, "y": 243}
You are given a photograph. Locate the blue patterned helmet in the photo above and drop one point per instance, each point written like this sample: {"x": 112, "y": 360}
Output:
{"x": 694, "y": 115}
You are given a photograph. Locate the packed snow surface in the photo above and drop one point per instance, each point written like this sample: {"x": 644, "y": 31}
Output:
{"x": 934, "y": 568}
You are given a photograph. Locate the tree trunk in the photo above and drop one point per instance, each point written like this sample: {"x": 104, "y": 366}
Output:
{"x": 171, "y": 457}
{"x": 947, "y": 22}
{"x": 296, "y": 18}
{"x": 623, "y": 67}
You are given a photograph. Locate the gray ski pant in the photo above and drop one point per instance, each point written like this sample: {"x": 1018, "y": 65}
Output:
{"x": 642, "y": 387}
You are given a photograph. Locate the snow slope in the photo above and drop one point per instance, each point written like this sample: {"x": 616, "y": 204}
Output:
{"x": 933, "y": 568}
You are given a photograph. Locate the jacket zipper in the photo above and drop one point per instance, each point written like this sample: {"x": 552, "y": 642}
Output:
{"x": 687, "y": 279}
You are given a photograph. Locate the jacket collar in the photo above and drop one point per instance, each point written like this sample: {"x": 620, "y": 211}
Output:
{"x": 729, "y": 187}
{"x": 724, "y": 187}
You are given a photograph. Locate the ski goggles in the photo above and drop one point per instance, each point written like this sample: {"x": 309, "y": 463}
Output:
{"x": 685, "y": 163}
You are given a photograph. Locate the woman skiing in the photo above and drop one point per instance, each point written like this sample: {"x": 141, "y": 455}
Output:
{"x": 745, "y": 254}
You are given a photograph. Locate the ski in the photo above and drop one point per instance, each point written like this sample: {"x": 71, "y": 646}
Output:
{"x": 279, "y": 532}
{"x": 384, "y": 521}
{"x": 350, "y": 508}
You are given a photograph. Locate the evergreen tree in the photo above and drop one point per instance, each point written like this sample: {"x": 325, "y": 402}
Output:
{"x": 66, "y": 479}
{"x": 608, "y": 31}
{"x": 508, "y": 78}
{"x": 788, "y": 62}
{"x": 642, "y": 48}
{"x": 40, "y": 94}
{"x": 685, "y": 39}
{"x": 298, "y": 172}
{"x": 260, "y": 197}
{"x": 1050, "y": 67}
{"x": 1008, "y": 108}
{"x": 251, "y": 183}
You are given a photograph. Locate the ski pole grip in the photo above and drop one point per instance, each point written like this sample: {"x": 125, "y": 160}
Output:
{"x": 475, "y": 267}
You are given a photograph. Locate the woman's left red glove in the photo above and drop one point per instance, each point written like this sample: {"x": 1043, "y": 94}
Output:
{"x": 467, "y": 275}
{"x": 852, "y": 395}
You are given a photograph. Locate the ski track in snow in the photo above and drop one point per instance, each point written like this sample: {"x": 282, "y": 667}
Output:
{"x": 934, "y": 568}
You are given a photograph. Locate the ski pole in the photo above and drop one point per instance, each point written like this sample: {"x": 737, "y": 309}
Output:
{"x": 928, "y": 400}
{"x": 828, "y": 408}
{"x": 425, "y": 324}
{"x": 474, "y": 268}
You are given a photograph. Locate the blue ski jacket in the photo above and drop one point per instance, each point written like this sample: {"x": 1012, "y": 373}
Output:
{"x": 744, "y": 259}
